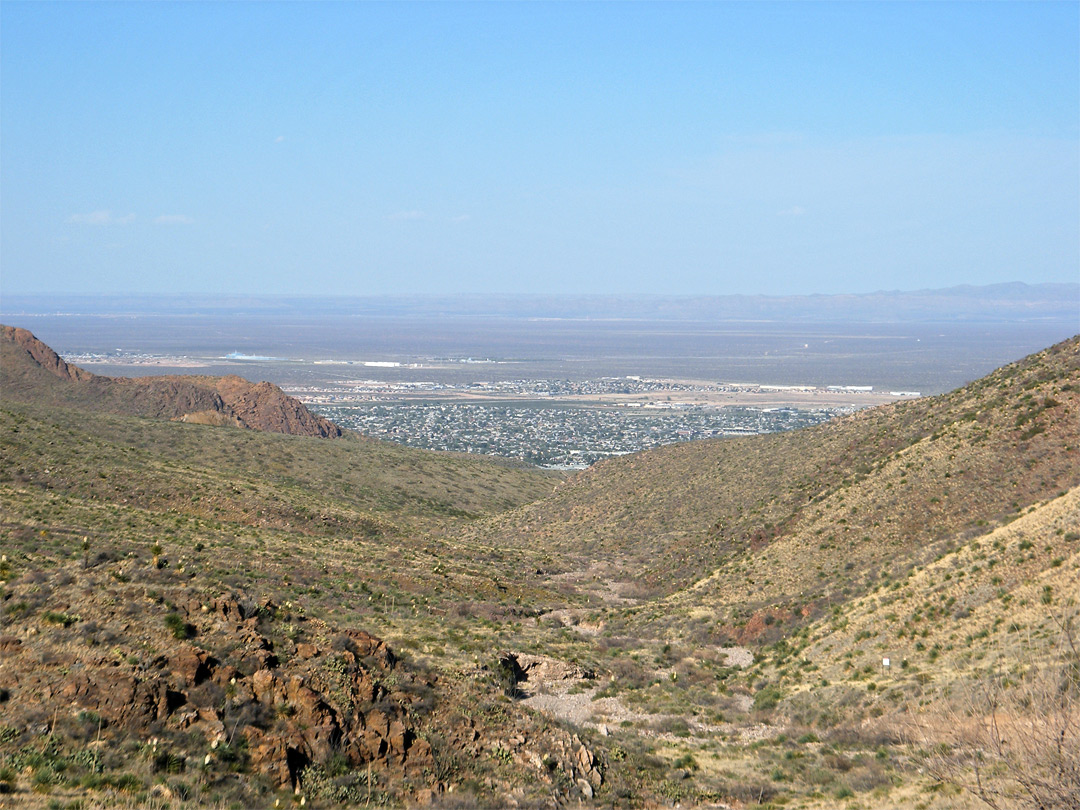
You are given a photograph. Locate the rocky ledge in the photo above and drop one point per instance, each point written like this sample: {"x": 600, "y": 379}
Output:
{"x": 260, "y": 696}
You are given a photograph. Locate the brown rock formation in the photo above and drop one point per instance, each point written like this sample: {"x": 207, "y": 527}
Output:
{"x": 42, "y": 355}
{"x": 323, "y": 705}
{"x": 243, "y": 692}
{"x": 264, "y": 406}
{"x": 32, "y": 370}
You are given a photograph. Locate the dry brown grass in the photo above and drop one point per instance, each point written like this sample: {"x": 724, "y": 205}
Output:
{"x": 1012, "y": 741}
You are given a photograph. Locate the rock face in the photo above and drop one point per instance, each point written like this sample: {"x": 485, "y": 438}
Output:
{"x": 30, "y": 369}
{"x": 544, "y": 669}
{"x": 331, "y": 703}
{"x": 43, "y": 355}
{"x": 241, "y": 690}
{"x": 264, "y": 406}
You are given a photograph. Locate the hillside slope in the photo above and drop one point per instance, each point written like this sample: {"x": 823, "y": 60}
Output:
{"x": 210, "y": 591}
{"x": 133, "y": 681}
{"x": 709, "y": 618}
{"x": 259, "y": 480}
{"x": 32, "y": 372}
{"x": 811, "y": 514}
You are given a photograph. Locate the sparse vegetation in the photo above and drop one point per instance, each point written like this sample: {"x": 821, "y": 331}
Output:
{"x": 760, "y": 615}
{"x": 1013, "y": 741}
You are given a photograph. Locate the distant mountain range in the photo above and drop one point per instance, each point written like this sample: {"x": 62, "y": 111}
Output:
{"x": 1012, "y": 302}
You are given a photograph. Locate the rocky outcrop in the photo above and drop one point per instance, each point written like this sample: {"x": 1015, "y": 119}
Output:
{"x": 264, "y": 406}
{"x": 544, "y": 669}
{"x": 32, "y": 370}
{"x": 42, "y": 355}
{"x": 123, "y": 699}
{"x": 332, "y": 703}
{"x": 167, "y": 397}
{"x": 258, "y": 689}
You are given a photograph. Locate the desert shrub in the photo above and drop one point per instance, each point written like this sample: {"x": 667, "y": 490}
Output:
{"x": 628, "y": 674}
{"x": 55, "y": 617}
{"x": 871, "y": 775}
{"x": 767, "y": 698}
{"x": 675, "y": 726}
{"x": 748, "y": 792}
{"x": 168, "y": 762}
{"x": 178, "y": 627}
{"x": 874, "y": 736}
{"x": 249, "y": 713}
{"x": 317, "y": 783}
{"x": 838, "y": 762}
{"x": 506, "y": 673}
{"x": 686, "y": 761}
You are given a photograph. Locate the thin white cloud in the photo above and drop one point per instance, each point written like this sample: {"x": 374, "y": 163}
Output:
{"x": 794, "y": 211}
{"x": 404, "y": 215}
{"x": 461, "y": 218}
{"x": 102, "y": 217}
{"x": 174, "y": 219}
{"x": 279, "y": 139}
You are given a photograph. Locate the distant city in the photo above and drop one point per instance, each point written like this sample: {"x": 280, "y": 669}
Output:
{"x": 560, "y": 437}
{"x": 554, "y": 423}
{"x": 571, "y": 424}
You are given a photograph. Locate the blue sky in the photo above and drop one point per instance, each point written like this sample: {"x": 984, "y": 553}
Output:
{"x": 681, "y": 148}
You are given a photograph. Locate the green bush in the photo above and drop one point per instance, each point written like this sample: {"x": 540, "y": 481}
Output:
{"x": 178, "y": 627}
{"x": 767, "y": 698}
{"x": 53, "y": 617}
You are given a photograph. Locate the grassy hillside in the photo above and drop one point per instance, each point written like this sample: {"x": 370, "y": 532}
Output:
{"x": 701, "y": 624}
{"x": 974, "y": 459}
{"x": 1006, "y": 589}
{"x": 860, "y": 497}
{"x": 985, "y": 633}
{"x": 133, "y": 548}
{"x": 285, "y": 516}
{"x": 136, "y": 673}
{"x": 258, "y": 478}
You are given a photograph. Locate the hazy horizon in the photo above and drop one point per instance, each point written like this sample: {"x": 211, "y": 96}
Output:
{"x": 1009, "y": 301}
